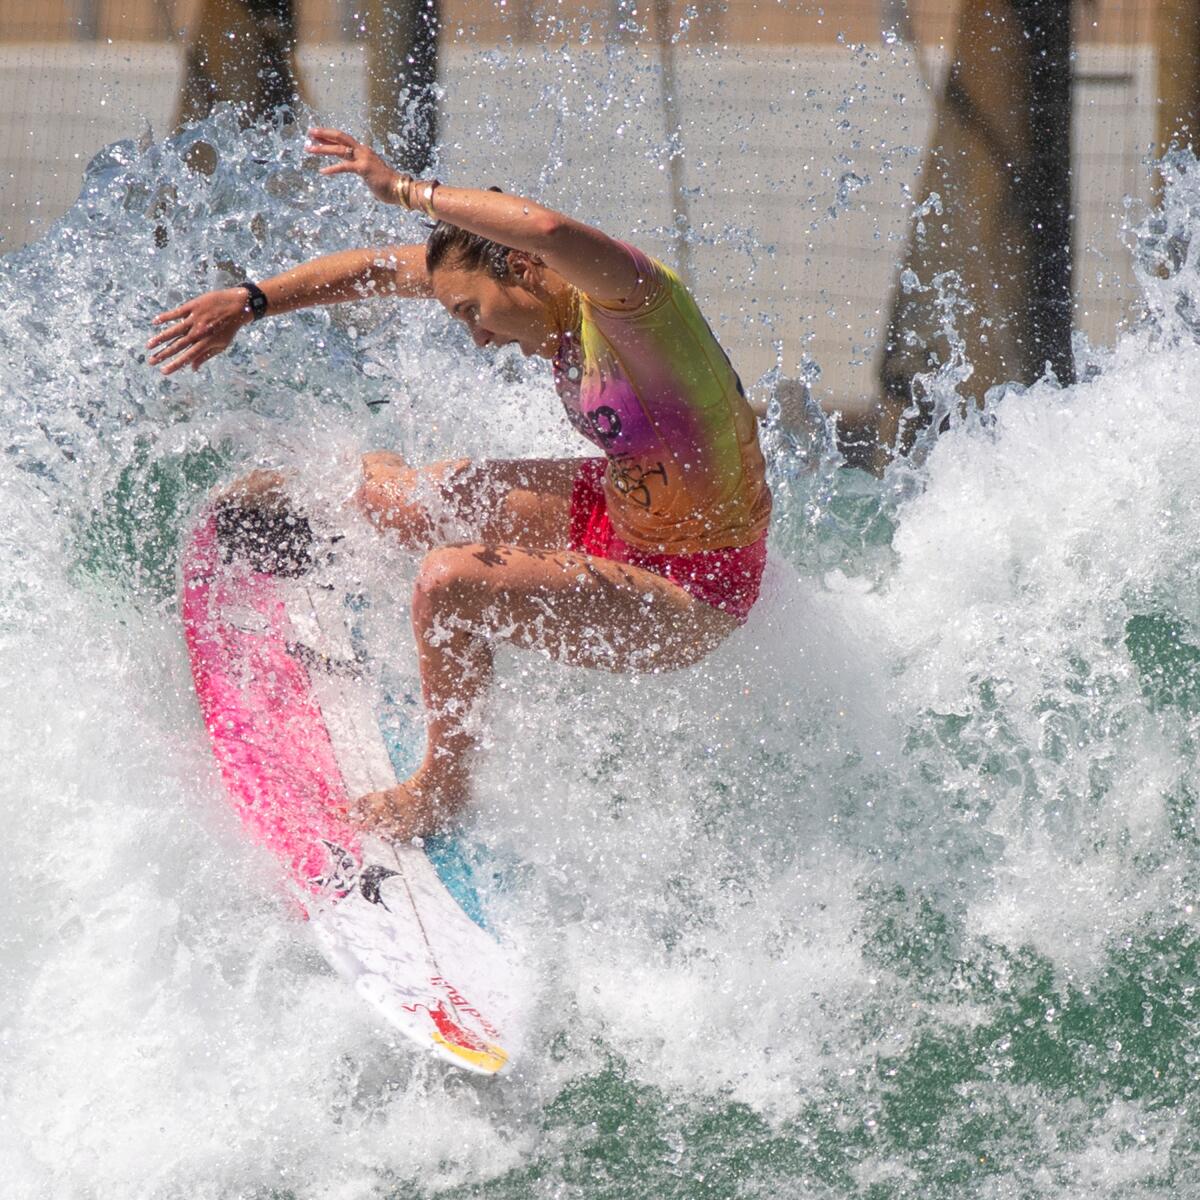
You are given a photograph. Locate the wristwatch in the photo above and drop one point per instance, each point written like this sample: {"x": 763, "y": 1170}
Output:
{"x": 256, "y": 299}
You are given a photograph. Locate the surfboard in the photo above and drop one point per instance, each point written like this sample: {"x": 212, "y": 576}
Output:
{"x": 294, "y": 723}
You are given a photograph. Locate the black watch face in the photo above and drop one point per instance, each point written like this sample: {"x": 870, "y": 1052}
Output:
{"x": 256, "y": 300}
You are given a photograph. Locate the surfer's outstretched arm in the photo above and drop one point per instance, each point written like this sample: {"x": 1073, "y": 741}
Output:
{"x": 585, "y": 257}
{"x": 204, "y": 326}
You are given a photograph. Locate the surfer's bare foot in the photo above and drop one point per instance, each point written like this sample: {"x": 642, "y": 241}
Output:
{"x": 416, "y": 808}
{"x": 260, "y": 489}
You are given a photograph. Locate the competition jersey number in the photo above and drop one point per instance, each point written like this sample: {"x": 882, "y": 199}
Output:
{"x": 631, "y": 479}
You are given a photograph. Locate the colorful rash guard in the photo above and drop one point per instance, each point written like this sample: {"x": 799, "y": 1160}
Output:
{"x": 649, "y": 384}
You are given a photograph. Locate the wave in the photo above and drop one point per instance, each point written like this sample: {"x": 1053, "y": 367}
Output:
{"x": 894, "y": 895}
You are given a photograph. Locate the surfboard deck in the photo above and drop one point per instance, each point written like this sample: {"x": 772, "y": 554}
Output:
{"x": 294, "y": 724}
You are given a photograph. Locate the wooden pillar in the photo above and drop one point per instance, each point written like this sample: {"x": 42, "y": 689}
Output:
{"x": 402, "y": 68}
{"x": 1000, "y": 165}
{"x": 243, "y": 52}
{"x": 1046, "y": 191}
{"x": 87, "y": 25}
{"x": 1177, "y": 42}
{"x": 672, "y": 120}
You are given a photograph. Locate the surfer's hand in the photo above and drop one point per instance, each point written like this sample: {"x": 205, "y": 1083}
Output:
{"x": 198, "y": 330}
{"x": 400, "y": 813}
{"x": 356, "y": 159}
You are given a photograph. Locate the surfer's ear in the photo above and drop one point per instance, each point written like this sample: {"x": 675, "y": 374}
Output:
{"x": 522, "y": 267}
{"x": 270, "y": 537}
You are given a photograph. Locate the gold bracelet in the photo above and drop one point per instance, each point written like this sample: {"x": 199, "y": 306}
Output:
{"x": 403, "y": 190}
{"x": 427, "y": 203}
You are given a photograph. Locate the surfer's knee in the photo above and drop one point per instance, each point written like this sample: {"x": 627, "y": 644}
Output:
{"x": 450, "y": 579}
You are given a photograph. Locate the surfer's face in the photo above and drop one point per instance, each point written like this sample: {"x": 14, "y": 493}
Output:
{"x": 500, "y": 312}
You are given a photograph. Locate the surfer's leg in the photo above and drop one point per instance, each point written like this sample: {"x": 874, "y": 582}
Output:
{"x": 577, "y": 608}
{"x": 522, "y": 501}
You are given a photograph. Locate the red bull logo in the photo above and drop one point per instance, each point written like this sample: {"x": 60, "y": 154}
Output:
{"x": 463, "y": 1005}
{"x": 451, "y": 1034}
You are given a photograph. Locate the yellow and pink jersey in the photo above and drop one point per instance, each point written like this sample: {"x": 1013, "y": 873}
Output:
{"x": 648, "y": 383}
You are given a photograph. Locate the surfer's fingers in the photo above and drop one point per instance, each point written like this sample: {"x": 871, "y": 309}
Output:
{"x": 167, "y": 352}
{"x": 320, "y": 133}
{"x": 348, "y": 150}
{"x": 329, "y": 148}
{"x": 183, "y": 359}
{"x": 174, "y": 346}
{"x": 339, "y": 168}
{"x": 168, "y": 335}
{"x": 173, "y": 314}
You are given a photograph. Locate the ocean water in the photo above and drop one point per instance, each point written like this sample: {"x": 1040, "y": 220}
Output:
{"x": 894, "y": 896}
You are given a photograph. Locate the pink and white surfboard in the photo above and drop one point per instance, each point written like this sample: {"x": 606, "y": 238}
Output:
{"x": 293, "y": 724}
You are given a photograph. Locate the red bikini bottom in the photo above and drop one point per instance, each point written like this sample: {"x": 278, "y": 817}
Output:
{"x": 727, "y": 579}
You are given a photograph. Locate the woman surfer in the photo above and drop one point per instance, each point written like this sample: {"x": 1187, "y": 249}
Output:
{"x": 644, "y": 559}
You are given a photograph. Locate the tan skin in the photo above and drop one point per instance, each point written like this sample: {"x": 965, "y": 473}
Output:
{"x": 513, "y": 579}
